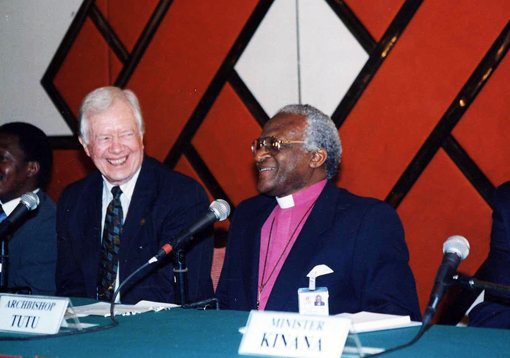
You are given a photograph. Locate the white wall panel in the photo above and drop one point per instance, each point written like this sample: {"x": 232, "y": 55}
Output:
{"x": 268, "y": 66}
{"x": 331, "y": 57}
{"x": 30, "y": 33}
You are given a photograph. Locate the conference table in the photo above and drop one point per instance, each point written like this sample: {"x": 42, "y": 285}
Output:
{"x": 197, "y": 333}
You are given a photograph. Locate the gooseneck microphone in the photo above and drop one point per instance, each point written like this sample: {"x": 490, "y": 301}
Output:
{"x": 455, "y": 249}
{"x": 29, "y": 201}
{"x": 219, "y": 210}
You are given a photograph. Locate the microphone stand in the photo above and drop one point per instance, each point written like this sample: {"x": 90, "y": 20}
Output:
{"x": 4, "y": 263}
{"x": 181, "y": 285}
{"x": 4, "y": 273}
{"x": 473, "y": 283}
{"x": 180, "y": 276}
{"x": 6, "y": 228}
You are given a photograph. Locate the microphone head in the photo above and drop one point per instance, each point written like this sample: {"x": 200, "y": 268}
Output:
{"x": 456, "y": 245}
{"x": 220, "y": 208}
{"x": 30, "y": 200}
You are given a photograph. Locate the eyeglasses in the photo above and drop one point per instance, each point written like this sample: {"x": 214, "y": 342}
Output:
{"x": 272, "y": 145}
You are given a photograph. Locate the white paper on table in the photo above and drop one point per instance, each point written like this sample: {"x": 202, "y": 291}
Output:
{"x": 103, "y": 308}
{"x": 369, "y": 321}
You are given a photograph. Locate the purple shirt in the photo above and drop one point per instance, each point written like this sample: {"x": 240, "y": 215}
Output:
{"x": 289, "y": 215}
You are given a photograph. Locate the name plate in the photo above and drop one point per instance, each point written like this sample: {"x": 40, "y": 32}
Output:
{"x": 283, "y": 334}
{"x": 32, "y": 314}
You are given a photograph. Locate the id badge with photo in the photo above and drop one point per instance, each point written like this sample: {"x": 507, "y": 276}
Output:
{"x": 314, "y": 302}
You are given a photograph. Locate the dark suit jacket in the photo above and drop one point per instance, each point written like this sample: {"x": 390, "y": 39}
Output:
{"x": 495, "y": 311}
{"x": 33, "y": 250}
{"x": 360, "y": 239}
{"x": 164, "y": 202}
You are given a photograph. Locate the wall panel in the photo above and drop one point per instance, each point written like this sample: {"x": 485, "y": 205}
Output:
{"x": 484, "y": 129}
{"x": 85, "y": 67}
{"x": 412, "y": 90}
{"x": 442, "y": 204}
{"x": 180, "y": 63}
{"x": 375, "y": 15}
{"x": 128, "y": 18}
{"x": 224, "y": 141}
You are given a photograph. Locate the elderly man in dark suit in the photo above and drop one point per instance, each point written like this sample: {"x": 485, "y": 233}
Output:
{"x": 302, "y": 220}
{"x": 25, "y": 166}
{"x": 113, "y": 221}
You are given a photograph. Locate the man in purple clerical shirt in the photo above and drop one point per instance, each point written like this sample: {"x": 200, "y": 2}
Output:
{"x": 301, "y": 219}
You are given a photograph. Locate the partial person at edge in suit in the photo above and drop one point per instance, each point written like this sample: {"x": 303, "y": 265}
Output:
{"x": 103, "y": 238}
{"x": 301, "y": 219}
{"x": 494, "y": 312}
{"x": 25, "y": 166}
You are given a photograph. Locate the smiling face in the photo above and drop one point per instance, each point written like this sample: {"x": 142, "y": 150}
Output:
{"x": 115, "y": 143}
{"x": 17, "y": 176}
{"x": 292, "y": 169}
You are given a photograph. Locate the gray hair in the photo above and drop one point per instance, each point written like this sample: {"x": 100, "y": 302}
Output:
{"x": 320, "y": 133}
{"x": 100, "y": 100}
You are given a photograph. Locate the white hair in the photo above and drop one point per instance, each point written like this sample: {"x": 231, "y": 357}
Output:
{"x": 100, "y": 100}
{"x": 320, "y": 133}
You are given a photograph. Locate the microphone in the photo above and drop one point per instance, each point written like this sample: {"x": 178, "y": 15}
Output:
{"x": 29, "y": 201}
{"x": 455, "y": 249}
{"x": 219, "y": 210}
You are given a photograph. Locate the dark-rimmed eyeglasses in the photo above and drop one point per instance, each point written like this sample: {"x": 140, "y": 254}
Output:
{"x": 272, "y": 144}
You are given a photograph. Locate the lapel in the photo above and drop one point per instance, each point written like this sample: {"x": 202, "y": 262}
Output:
{"x": 92, "y": 221}
{"x": 250, "y": 249}
{"x": 302, "y": 254}
{"x": 143, "y": 195}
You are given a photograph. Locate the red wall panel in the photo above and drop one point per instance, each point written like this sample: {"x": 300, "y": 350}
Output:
{"x": 376, "y": 16}
{"x": 85, "y": 67}
{"x": 484, "y": 131}
{"x": 128, "y": 18}
{"x": 181, "y": 61}
{"x": 224, "y": 142}
{"x": 412, "y": 90}
{"x": 441, "y": 204}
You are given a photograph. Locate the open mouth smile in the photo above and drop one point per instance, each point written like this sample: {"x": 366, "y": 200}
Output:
{"x": 117, "y": 161}
{"x": 261, "y": 170}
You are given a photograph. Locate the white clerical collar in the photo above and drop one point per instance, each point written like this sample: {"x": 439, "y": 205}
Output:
{"x": 310, "y": 193}
{"x": 285, "y": 202}
{"x": 9, "y": 206}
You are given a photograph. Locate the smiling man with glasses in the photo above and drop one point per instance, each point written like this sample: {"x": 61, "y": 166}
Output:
{"x": 301, "y": 219}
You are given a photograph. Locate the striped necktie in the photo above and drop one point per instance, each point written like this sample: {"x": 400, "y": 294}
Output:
{"x": 3, "y": 215}
{"x": 110, "y": 247}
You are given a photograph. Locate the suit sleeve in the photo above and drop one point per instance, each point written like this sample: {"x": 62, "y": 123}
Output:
{"x": 33, "y": 251}
{"x": 498, "y": 262}
{"x": 223, "y": 284}
{"x": 222, "y": 289}
{"x": 231, "y": 288}
{"x": 191, "y": 204}
{"x": 495, "y": 311}
{"x": 68, "y": 276}
{"x": 382, "y": 275}
{"x": 40, "y": 271}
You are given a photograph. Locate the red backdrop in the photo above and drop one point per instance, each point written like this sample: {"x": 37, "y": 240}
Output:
{"x": 411, "y": 91}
